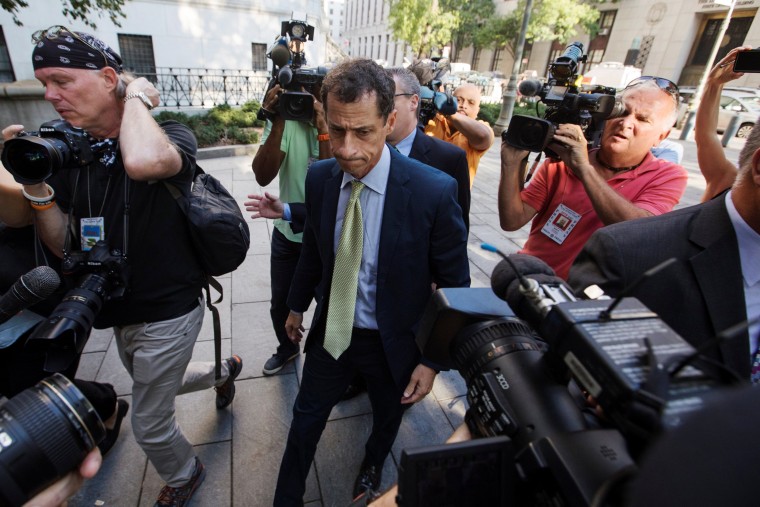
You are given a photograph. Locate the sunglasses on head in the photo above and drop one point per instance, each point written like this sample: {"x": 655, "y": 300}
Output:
{"x": 664, "y": 84}
{"x": 61, "y": 31}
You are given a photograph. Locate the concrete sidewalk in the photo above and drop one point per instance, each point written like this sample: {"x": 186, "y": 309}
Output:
{"x": 242, "y": 445}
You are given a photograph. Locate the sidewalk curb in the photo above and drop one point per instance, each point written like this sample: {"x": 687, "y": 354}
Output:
{"x": 236, "y": 150}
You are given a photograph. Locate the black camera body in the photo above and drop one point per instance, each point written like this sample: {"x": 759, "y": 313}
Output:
{"x": 299, "y": 83}
{"x": 32, "y": 157}
{"x": 566, "y": 102}
{"x": 102, "y": 274}
{"x": 296, "y": 104}
{"x": 432, "y": 100}
{"x": 523, "y": 377}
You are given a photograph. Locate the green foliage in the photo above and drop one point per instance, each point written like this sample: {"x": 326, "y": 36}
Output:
{"x": 422, "y": 24}
{"x": 490, "y": 112}
{"x": 221, "y": 125}
{"x": 75, "y": 10}
{"x": 549, "y": 20}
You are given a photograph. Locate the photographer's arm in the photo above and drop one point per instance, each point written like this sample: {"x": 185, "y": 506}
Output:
{"x": 325, "y": 150}
{"x": 718, "y": 171}
{"x": 269, "y": 157}
{"x": 610, "y": 206}
{"x": 14, "y": 208}
{"x": 513, "y": 212}
{"x": 146, "y": 150}
{"x": 478, "y": 134}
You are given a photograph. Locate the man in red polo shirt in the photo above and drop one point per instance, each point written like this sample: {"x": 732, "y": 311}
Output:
{"x": 569, "y": 199}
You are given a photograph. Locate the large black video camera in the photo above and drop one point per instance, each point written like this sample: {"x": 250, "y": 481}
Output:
{"x": 567, "y": 101}
{"x": 101, "y": 274}
{"x": 432, "y": 101}
{"x": 523, "y": 377}
{"x": 32, "y": 157}
{"x": 287, "y": 55}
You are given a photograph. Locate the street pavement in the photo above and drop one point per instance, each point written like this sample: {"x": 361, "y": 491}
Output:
{"x": 242, "y": 445}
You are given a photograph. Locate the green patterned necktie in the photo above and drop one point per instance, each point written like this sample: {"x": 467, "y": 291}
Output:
{"x": 345, "y": 279}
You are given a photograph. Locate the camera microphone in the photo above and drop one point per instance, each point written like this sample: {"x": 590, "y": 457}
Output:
{"x": 34, "y": 286}
{"x": 530, "y": 87}
{"x": 280, "y": 55}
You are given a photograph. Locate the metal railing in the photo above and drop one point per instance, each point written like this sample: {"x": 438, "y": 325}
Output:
{"x": 190, "y": 87}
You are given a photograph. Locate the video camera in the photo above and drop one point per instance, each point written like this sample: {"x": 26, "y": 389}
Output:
{"x": 522, "y": 377}
{"x": 566, "y": 102}
{"x": 32, "y": 157}
{"x": 102, "y": 275}
{"x": 430, "y": 73}
{"x": 288, "y": 58}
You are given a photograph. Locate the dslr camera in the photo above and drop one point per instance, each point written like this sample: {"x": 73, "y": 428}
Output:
{"x": 102, "y": 274}
{"x": 288, "y": 71}
{"x": 32, "y": 157}
{"x": 566, "y": 102}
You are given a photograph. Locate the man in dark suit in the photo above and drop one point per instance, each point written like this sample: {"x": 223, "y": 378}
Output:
{"x": 410, "y": 140}
{"x": 716, "y": 282}
{"x": 412, "y": 234}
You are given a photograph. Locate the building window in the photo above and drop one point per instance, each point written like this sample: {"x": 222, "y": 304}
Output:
{"x": 475, "y": 58}
{"x": 6, "y": 68}
{"x": 498, "y": 55}
{"x": 598, "y": 44}
{"x": 258, "y": 56}
{"x": 137, "y": 54}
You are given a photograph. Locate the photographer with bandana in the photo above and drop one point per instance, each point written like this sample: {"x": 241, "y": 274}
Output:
{"x": 158, "y": 320}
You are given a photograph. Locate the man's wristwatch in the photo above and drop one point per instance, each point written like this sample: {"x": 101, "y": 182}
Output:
{"x": 141, "y": 96}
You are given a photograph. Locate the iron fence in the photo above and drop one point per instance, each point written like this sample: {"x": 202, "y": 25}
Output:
{"x": 207, "y": 87}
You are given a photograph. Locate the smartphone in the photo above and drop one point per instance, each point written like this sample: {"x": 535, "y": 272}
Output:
{"x": 747, "y": 61}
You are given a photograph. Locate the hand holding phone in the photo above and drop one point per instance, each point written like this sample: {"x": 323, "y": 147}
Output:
{"x": 747, "y": 61}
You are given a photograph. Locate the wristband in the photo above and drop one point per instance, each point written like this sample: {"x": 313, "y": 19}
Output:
{"x": 323, "y": 137}
{"x": 41, "y": 207}
{"x": 40, "y": 200}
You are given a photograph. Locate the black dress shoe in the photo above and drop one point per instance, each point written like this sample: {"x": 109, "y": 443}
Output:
{"x": 368, "y": 482}
{"x": 122, "y": 407}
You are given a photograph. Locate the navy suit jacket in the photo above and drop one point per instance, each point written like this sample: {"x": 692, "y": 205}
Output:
{"x": 422, "y": 238}
{"x": 448, "y": 158}
{"x": 431, "y": 151}
{"x": 699, "y": 296}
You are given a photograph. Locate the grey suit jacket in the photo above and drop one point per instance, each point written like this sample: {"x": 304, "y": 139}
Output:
{"x": 699, "y": 296}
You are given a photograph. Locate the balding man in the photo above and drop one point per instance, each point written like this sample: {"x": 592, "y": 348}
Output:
{"x": 463, "y": 129}
{"x": 569, "y": 199}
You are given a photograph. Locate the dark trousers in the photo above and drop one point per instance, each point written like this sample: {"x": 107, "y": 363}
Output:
{"x": 324, "y": 382}
{"x": 283, "y": 262}
{"x": 21, "y": 368}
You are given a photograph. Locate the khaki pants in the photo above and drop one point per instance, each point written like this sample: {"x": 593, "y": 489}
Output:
{"x": 157, "y": 357}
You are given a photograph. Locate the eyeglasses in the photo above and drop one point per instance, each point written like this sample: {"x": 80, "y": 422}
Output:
{"x": 404, "y": 94}
{"x": 55, "y": 31}
{"x": 665, "y": 84}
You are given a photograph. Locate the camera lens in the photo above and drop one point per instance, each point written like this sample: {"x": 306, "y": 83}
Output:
{"x": 45, "y": 432}
{"x": 64, "y": 334}
{"x": 297, "y": 106}
{"x": 32, "y": 159}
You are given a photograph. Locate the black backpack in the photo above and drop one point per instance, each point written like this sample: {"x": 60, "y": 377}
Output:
{"x": 219, "y": 234}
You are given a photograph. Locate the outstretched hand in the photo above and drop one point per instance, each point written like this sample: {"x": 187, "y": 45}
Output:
{"x": 723, "y": 72}
{"x": 266, "y": 206}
